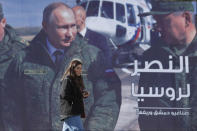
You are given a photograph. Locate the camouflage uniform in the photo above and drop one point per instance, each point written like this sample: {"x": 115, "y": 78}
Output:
{"x": 9, "y": 46}
{"x": 33, "y": 87}
{"x": 161, "y": 52}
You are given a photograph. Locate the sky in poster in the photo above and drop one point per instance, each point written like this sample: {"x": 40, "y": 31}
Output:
{"x": 24, "y": 13}
{"x": 28, "y": 13}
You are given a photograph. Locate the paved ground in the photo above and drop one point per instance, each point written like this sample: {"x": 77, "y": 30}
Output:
{"x": 127, "y": 120}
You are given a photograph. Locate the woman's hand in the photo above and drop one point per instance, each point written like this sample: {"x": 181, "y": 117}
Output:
{"x": 85, "y": 94}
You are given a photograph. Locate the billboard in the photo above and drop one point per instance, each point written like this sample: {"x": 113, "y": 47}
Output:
{"x": 146, "y": 83}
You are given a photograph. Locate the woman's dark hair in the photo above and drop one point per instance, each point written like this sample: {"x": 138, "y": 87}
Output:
{"x": 71, "y": 73}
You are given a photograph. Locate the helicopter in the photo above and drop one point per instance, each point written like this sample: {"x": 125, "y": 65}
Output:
{"x": 119, "y": 21}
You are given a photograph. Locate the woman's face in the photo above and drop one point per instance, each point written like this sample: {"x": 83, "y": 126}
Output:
{"x": 78, "y": 70}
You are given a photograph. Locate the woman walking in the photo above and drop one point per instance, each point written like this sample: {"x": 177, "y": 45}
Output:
{"x": 71, "y": 97}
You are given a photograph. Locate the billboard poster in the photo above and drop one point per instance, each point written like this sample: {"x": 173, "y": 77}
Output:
{"x": 98, "y": 65}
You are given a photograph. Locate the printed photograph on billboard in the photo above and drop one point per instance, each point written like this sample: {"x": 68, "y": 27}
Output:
{"x": 98, "y": 65}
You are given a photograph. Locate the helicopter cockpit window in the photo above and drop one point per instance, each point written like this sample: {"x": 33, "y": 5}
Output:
{"x": 120, "y": 13}
{"x": 93, "y": 8}
{"x": 107, "y": 10}
{"x": 131, "y": 15}
{"x": 142, "y": 19}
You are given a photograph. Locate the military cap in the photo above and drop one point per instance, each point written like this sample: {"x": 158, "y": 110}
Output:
{"x": 1, "y": 11}
{"x": 162, "y": 7}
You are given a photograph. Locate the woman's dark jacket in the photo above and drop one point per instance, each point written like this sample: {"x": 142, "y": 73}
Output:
{"x": 71, "y": 98}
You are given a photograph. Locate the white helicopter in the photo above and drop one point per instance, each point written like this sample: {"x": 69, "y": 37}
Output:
{"x": 118, "y": 19}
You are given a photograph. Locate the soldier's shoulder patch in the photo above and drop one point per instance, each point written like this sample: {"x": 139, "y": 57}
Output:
{"x": 35, "y": 71}
{"x": 24, "y": 42}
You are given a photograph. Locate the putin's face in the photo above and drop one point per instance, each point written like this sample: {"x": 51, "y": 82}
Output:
{"x": 61, "y": 29}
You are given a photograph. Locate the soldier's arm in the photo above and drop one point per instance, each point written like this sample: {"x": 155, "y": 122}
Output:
{"x": 106, "y": 47}
{"x": 107, "y": 98}
{"x": 13, "y": 98}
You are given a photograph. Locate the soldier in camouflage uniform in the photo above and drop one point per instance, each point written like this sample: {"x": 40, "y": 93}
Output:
{"x": 33, "y": 78}
{"x": 175, "y": 22}
{"x": 10, "y": 44}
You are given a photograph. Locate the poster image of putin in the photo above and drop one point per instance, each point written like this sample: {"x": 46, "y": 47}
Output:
{"x": 138, "y": 64}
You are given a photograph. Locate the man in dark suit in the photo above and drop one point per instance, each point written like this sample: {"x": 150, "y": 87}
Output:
{"x": 93, "y": 37}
